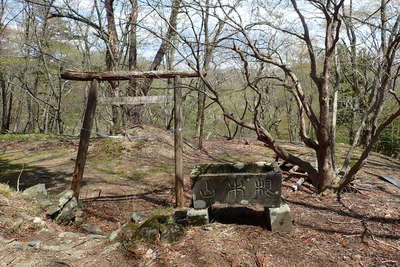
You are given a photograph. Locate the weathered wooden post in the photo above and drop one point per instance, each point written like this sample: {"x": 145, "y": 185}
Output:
{"x": 84, "y": 138}
{"x": 179, "y": 197}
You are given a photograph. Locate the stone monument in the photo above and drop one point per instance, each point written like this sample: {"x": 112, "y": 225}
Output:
{"x": 240, "y": 184}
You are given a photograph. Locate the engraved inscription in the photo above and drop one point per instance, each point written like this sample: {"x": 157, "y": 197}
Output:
{"x": 207, "y": 192}
{"x": 240, "y": 184}
{"x": 236, "y": 189}
{"x": 263, "y": 188}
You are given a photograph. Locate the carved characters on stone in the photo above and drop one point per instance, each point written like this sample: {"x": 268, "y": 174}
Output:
{"x": 236, "y": 189}
{"x": 263, "y": 188}
{"x": 240, "y": 184}
{"x": 206, "y": 192}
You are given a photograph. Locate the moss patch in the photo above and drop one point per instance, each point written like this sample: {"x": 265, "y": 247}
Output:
{"x": 109, "y": 148}
{"x": 157, "y": 228}
{"x": 25, "y": 167}
{"x": 163, "y": 168}
{"x": 136, "y": 175}
{"x": 6, "y": 190}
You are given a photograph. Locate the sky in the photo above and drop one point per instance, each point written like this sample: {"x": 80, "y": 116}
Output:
{"x": 248, "y": 12}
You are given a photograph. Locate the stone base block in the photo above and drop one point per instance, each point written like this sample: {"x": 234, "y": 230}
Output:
{"x": 197, "y": 216}
{"x": 279, "y": 219}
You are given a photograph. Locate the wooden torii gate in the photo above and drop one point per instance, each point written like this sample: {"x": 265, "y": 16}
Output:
{"x": 94, "y": 77}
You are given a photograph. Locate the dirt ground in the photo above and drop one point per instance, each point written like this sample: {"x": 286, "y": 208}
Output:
{"x": 135, "y": 174}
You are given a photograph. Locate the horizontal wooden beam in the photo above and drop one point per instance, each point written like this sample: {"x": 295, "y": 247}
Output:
{"x": 125, "y": 75}
{"x": 137, "y": 100}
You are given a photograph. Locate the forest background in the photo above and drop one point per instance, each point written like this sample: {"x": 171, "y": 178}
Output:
{"x": 320, "y": 71}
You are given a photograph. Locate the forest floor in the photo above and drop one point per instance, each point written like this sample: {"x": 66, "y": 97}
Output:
{"x": 360, "y": 229}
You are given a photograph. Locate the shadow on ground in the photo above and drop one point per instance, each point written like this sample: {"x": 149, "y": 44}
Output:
{"x": 349, "y": 213}
{"x": 149, "y": 196}
{"x": 28, "y": 175}
{"x": 238, "y": 215}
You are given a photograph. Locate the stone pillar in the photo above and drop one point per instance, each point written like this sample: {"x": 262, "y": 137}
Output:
{"x": 198, "y": 216}
{"x": 279, "y": 219}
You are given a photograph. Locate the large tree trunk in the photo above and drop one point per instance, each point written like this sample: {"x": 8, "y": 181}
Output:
{"x": 133, "y": 112}
{"x": 112, "y": 58}
{"x": 324, "y": 153}
{"x": 324, "y": 136}
{"x": 326, "y": 129}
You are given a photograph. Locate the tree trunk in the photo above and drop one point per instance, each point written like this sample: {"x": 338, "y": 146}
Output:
{"x": 112, "y": 58}
{"x": 201, "y": 97}
{"x": 6, "y": 105}
{"x": 335, "y": 110}
{"x": 165, "y": 43}
{"x": 133, "y": 112}
{"x": 169, "y": 115}
{"x": 201, "y": 102}
{"x": 324, "y": 153}
{"x": 9, "y": 112}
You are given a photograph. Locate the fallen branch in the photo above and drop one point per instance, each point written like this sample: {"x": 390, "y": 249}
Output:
{"x": 293, "y": 173}
{"x": 297, "y": 185}
{"x": 19, "y": 176}
{"x": 351, "y": 222}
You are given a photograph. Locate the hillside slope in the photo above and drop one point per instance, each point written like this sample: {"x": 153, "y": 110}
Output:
{"x": 136, "y": 175}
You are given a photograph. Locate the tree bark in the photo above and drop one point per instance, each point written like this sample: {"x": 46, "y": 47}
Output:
{"x": 112, "y": 59}
{"x": 133, "y": 112}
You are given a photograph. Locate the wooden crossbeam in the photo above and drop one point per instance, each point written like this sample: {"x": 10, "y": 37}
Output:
{"x": 124, "y": 75}
{"x": 91, "y": 107}
{"x": 137, "y": 100}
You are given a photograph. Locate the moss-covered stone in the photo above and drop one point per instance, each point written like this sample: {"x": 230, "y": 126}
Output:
{"x": 158, "y": 228}
{"x": 197, "y": 217}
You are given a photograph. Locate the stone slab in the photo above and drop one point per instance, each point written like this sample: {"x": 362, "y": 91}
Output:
{"x": 236, "y": 184}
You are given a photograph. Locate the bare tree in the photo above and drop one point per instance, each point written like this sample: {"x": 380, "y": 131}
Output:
{"x": 323, "y": 63}
{"x": 384, "y": 72}
{"x": 114, "y": 45}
